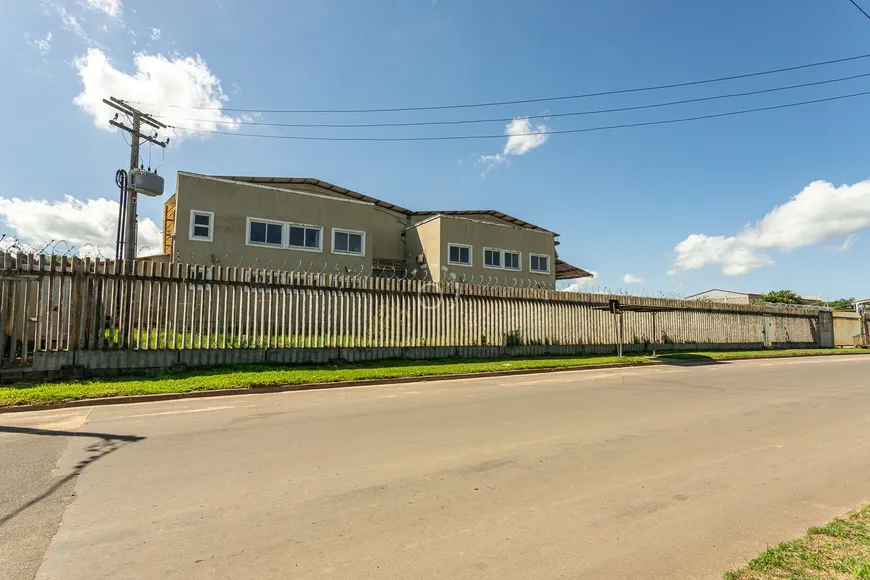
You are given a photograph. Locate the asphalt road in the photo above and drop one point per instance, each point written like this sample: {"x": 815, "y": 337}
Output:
{"x": 666, "y": 472}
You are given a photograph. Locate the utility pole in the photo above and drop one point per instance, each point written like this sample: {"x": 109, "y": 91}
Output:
{"x": 129, "y": 219}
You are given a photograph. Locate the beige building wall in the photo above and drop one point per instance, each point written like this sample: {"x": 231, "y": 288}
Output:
{"x": 388, "y": 243}
{"x": 424, "y": 238}
{"x": 433, "y": 237}
{"x": 233, "y": 203}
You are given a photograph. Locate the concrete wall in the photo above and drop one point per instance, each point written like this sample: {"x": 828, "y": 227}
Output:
{"x": 117, "y": 362}
{"x": 846, "y": 326}
{"x": 86, "y": 304}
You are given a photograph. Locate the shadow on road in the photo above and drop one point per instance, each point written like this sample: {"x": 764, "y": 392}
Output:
{"x": 105, "y": 444}
{"x": 688, "y": 359}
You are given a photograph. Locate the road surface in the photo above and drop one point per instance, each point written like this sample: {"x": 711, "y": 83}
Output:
{"x": 664, "y": 472}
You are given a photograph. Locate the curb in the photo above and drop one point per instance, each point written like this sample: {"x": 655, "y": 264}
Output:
{"x": 255, "y": 390}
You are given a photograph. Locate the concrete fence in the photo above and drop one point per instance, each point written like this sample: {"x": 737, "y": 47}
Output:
{"x": 850, "y": 328}
{"x": 97, "y": 314}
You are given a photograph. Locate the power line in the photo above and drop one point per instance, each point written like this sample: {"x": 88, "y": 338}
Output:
{"x": 502, "y": 136}
{"x": 855, "y": 4}
{"x": 521, "y": 101}
{"x": 508, "y": 119}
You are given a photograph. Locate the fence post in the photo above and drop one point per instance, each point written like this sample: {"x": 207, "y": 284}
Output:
{"x": 826, "y": 329}
{"x": 79, "y": 303}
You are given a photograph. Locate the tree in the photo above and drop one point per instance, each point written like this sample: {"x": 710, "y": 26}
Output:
{"x": 782, "y": 297}
{"x": 841, "y": 304}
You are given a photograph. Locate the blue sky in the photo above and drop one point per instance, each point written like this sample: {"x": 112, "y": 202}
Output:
{"x": 625, "y": 201}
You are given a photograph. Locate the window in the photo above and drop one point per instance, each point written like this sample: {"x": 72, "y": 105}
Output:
{"x": 277, "y": 234}
{"x": 305, "y": 237}
{"x": 503, "y": 259}
{"x": 348, "y": 242}
{"x": 201, "y": 225}
{"x": 265, "y": 232}
{"x": 458, "y": 255}
{"x": 539, "y": 263}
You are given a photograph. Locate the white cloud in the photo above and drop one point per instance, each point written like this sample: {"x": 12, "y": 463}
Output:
{"x": 847, "y": 244}
{"x": 522, "y": 138}
{"x": 83, "y": 224}
{"x": 43, "y": 45}
{"x": 156, "y": 33}
{"x": 112, "y": 8}
{"x": 820, "y": 213}
{"x": 581, "y": 284}
{"x": 631, "y": 279}
{"x": 182, "y": 81}
{"x": 75, "y": 25}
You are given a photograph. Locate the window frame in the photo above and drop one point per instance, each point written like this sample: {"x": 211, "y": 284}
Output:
{"x": 534, "y": 271}
{"x": 470, "y": 249}
{"x": 483, "y": 258}
{"x": 287, "y": 245}
{"x": 193, "y": 214}
{"x": 501, "y": 259}
{"x": 519, "y": 254}
{"x": 360, "y": 233}
{"x": 285, "y": 231}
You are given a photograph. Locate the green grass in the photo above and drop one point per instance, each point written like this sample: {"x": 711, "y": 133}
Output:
{"x": 261, "y": 375}
{"x": 264, "y": 375}
{"x": 839, "y": 550}
{"x": 153, "y": 339}
{"x": 738, "y": 354}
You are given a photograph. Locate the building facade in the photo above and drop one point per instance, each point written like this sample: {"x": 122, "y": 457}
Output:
{"x": 314, "y": 226}
{"x": 732, "y": 297}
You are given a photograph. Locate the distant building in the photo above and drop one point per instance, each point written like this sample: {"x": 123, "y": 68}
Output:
{"x": 732, "y": 297}
{"x": 726, "y": 296}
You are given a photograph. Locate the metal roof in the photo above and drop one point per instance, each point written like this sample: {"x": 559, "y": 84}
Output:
{"x": 379, "y": 202}
{"x": 565, "y": 271}
{"x": 500, "y": 215}
{"x": 321, "y": 184}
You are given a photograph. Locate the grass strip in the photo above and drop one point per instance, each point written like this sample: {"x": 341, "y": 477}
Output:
{"x": 245, "y": 376}
{"x": 839, "y": 550}
{"x": 242, "y": 376}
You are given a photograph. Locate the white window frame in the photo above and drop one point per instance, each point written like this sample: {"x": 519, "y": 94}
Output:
{"x": 519, "y": 254}
{"x": 285, "y": 231}
{"x": 501, "y": 261}
{"x": 361, "y": 233}
{"x": 549, "y": 259}
{"x": 470, "y": 263}
{"x": 483, "y": 258}
{"x": 303, "y": 248}
{"x": 210, "y": 214}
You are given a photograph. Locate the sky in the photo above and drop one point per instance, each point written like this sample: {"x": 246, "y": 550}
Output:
{"x": 755, "y": 202}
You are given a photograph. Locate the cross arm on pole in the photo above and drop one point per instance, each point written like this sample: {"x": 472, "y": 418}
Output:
{"x": 137, "y": 133}
{"x": 128, "y": 110}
